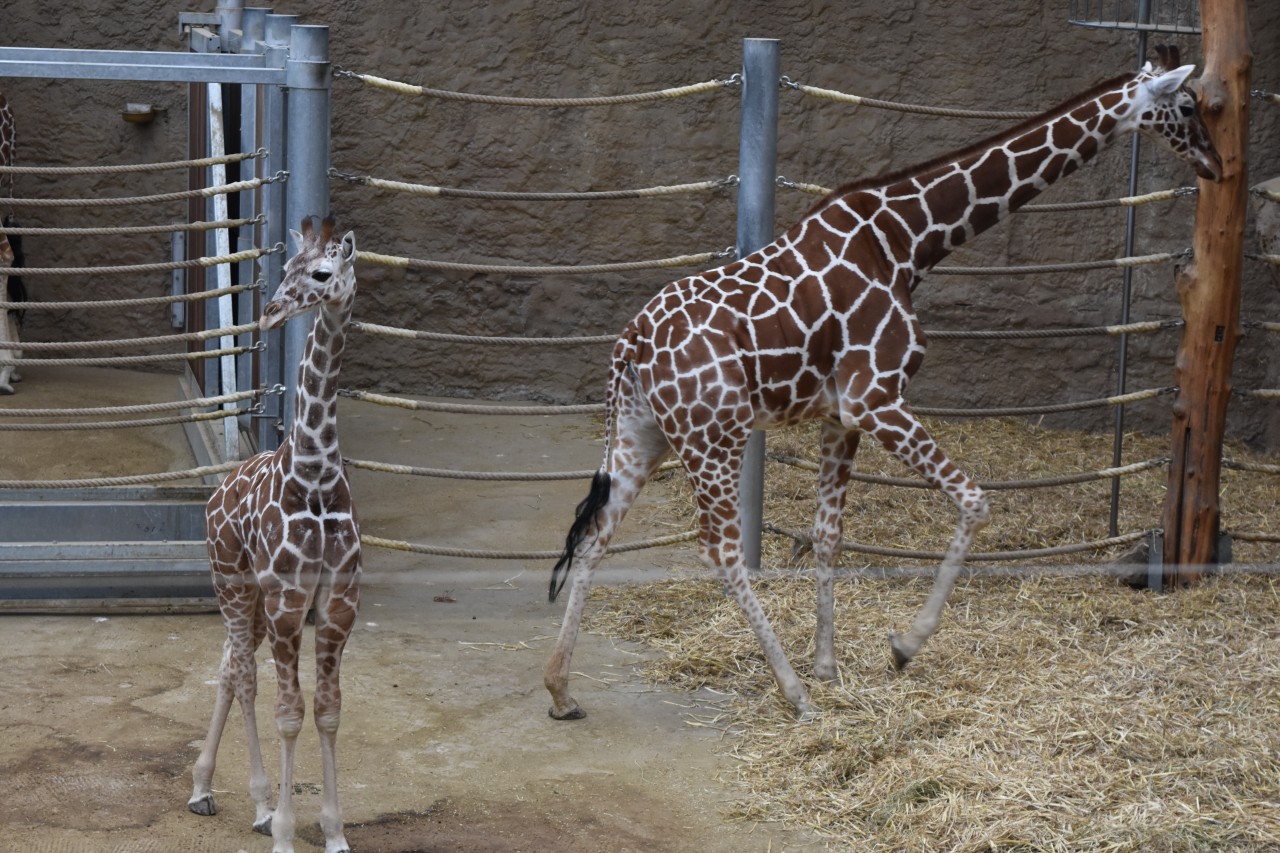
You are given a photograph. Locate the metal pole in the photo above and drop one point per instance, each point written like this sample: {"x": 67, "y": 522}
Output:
{"x": 1126, "y": 293}
{"x": 309, "y": 77}
{"x": 274, "y": 231}
{"x": 757, "y": 171}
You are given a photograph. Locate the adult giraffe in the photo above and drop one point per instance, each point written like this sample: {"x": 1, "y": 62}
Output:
{"x": 819, "y": 325}
{"x": 283, "y": 538}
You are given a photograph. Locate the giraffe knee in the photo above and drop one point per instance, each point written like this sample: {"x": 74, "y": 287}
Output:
{"x": 978, "y": 510}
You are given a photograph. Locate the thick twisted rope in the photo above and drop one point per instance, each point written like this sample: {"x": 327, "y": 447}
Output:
{"x": 131, "y": 303}
{"x": 126, "y": 343}
{"x": 444, "y": 551}
{"x": 1025, "y": 554}
{"x": 131, "y": 480}
{"x": 1254, "y": 536}
{"x": 130, "y": 269}
{"x": 500, "y": 195}
{"x": 1143, "y": 327}
{"x": 856, "y": 100}
{"x": 465, "y": 408}
{"x": 122, "y": 230}
{"x": 206, "y": 192}
{"x": 124, "y": 360}
{"x": 141, "y": 408}
{"x": 1269, "y": 195}
{"x": 195, "y": 417}
{"x": 1078, "y": 266}
{"x": 499, "y": 476}
{"x": 129, "y": 168}
{"x": 442, "y": 337}
{"x": 1252, "y": 467}
{"x": 1271, "y": 260}
{"x": 1258, "y": 393}
{"x": 1123, "y": 201}
{"x": 504, "y": 100}
{"x": 1053, "y": 408}
{"x": 991, "y": 485}
{"x": 586, "y": 269}
{"x": 1270, "y": 97}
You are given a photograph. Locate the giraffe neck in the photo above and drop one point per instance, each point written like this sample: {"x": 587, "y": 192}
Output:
{"x": 313, "y": 440}
{"x": 928, "y": 211}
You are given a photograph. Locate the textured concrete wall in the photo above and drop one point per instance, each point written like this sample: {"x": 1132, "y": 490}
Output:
{"x": 1001, "y": 54}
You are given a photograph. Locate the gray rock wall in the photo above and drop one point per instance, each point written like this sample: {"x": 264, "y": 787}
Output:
{"x": 997, "y": 54}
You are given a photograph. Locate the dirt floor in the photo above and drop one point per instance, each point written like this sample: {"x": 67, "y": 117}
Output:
{"x": 445, "y": 742}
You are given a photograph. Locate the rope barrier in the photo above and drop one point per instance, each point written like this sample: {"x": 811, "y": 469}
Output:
{"x": 141, "y": 408}
{"x": 132, "y": 167}
{"x": 504, "y": 476}
{"x": 1124, "y": 201}
{"x": 155, "y": 340}
{"x": 207, "y": 192}
{"x": 1113, "y": 263}
{"x": 1024, "y": 554}
{"x": 503, "y": 100}
{"x": 233, "y": 258}
{"x": 1269, "y": 195}
{"x": 1272, "y": 260}
{"x": 464, "y": 408}
{"x": 856, "y": 100}
{"x": 629, "y": 266}
{"x": 1079, "y": 331}
{"x": 131, "y": 480}
{"x": 497, "y": 195}
{"x": 1252, "y": 467}
{"x": 1272, "y": 97}
{"x": 990, "y": 485}
{"x": 124, "y": 360}
{"x": 1014, "y": 411}
{"x": 130, "y": 424}
{"x": 131, "y": 303}
{"x": 1254, "y": 536}
{"x": 1259, "y": 393}
{"x": 444, "y": 551}
{"x": 442, "y": 337}
{"x": 129, "y": 229}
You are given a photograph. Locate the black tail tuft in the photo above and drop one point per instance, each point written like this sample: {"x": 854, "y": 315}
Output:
{"x": 585, "y": 516}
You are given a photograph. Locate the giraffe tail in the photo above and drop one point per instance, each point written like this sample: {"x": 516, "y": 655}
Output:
{"x": 598, "y": 496}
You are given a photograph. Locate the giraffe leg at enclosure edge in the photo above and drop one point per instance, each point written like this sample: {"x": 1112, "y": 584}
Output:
{"x": 286, "y": 608}
{"x": 839, "y": 446}
{"x": 902, "y": 435}
{"x": 9, "y": 326}
{"x": 638, "y": 448}
{"x": 335, "y": 611}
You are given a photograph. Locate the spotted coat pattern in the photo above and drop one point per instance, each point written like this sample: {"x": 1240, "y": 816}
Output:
{"x": 283, "y": 539}
{"x": 9, "y": 322}
{"x": 819, "y": 325}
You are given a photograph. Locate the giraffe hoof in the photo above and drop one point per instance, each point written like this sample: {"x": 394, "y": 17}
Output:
{"x": 202, "y": 806}
{"x": 263, "y": 827}
{"x": 900, "y": 658}
{"x": 574, "y": 713}
{"x": 6, "y": 389}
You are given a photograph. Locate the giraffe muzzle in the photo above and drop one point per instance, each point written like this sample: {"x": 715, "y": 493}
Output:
{"x": 1208, "y": 165}
{"x": 272, "y": 316}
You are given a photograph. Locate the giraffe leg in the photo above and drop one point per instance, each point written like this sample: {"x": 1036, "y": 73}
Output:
{"x": 638, "y": 449}
{"x": 335, "y": 617}
{"x": 899, "y": 431}
{"x": 8, "y": 338}
{"x": 839, "y": 446}
{"x": 286, "y": 610}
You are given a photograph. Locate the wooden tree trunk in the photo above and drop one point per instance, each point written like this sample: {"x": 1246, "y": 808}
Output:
{"x": 1209, "y": 290}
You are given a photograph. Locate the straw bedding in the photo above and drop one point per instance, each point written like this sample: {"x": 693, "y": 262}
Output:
{"x": 1055, "y": 709}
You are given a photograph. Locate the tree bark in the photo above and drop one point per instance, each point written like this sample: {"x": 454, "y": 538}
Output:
{"x": 1209, "y": 290}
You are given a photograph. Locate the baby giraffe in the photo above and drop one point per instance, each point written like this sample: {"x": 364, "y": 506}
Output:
{"x": 283, "y": 538}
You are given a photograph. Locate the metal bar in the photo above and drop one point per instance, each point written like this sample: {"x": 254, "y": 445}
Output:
{"x": 757, "y": 168}
{"x": 309, "y": 78}
{"x": 222, "y": 274}
{"x": 152, "y": 72}
{"x": 173, "y": 59}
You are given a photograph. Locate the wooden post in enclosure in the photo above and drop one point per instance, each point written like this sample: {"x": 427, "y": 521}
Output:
{"x": 1209, "y": 290}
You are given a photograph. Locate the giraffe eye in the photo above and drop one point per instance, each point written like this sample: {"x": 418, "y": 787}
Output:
{"x": 321, "y": 275}
{"x": 1187, "y": 110}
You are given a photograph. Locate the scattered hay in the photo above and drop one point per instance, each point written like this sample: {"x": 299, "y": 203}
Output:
{"x": 1050, "y": 712}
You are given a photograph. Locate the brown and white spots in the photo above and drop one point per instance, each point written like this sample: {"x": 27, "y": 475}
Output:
{"x": 284, "y": 539}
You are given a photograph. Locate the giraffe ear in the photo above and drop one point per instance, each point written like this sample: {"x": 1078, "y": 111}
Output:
{"x": 297, "y": 240}
{"x": 349, "y": 246}
{"x": 1170, "y": 81}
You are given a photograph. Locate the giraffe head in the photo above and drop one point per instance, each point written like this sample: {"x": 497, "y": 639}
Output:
{"x": 1166, "y": 109}
{"x": 322, "y": 271}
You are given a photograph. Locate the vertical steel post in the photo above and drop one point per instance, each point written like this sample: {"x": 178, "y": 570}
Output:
{"x": 253, "y": 22}
{"x": 274, "y": 230}
{"x": 309, "y": 79}
{"x": 757, "y": 172}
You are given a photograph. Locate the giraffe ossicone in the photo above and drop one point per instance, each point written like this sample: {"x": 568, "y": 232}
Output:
{"x": 819, "y": 325}
{"x": 283, "y": 539}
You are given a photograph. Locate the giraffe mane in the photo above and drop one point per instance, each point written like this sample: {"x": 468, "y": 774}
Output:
{"x": 887, "y": 178}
